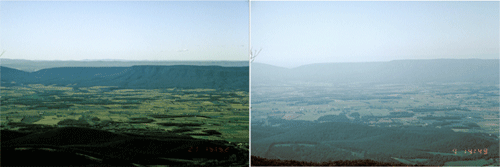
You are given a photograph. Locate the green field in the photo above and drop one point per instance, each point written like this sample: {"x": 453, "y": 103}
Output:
{"x": 200, "y": 113}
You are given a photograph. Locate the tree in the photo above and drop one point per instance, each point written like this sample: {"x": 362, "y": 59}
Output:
{"x": 355, "y": 115}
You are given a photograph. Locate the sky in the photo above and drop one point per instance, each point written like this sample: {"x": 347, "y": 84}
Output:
{"x": 291, "y": 34}
{"x": 143, "y": 30}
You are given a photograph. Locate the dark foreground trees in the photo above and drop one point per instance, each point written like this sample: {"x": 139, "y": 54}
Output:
{"x": 259, "y": 161}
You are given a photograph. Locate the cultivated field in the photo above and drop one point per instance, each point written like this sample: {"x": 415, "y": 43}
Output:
{"x": 200, "y": 113}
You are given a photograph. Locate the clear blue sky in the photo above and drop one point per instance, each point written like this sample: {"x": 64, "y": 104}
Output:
{"x": 297, "y": 33}
{"x": 154, "y": 30}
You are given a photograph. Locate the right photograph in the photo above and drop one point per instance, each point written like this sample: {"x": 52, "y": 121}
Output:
{"x": 374, "y": 83}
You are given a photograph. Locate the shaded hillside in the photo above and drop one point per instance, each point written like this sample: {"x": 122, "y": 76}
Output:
{"x": 136, "y": 77}
{"x": 75, "y": 145}
{"x": 397, "y": 71}
{"x": 9, "y": 75}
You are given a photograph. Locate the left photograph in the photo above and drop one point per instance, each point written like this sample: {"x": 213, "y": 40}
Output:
{"x": 124, "y": 83}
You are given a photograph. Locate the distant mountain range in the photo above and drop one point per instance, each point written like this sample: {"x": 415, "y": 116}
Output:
{"x": 35, "y": 65}
{"x": 135, "y": 77}
{"x": 397, "y": 71}
{"x": 234, "y": 75}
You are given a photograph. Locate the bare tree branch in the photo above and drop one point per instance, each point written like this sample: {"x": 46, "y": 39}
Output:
{"x": 2, "y": 53}
{"x": 254, "y": 53}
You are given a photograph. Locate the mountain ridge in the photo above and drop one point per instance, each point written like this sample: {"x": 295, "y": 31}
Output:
{"x": 36, "y": 65}
{"x": 135, "y": 77}
{"x": 396, "y": 71}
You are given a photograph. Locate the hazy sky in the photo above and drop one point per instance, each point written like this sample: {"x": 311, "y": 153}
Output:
{"x": 296, "y": 33}
{"x": 156, "y": 30}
